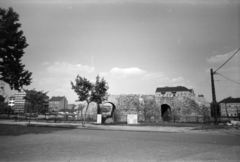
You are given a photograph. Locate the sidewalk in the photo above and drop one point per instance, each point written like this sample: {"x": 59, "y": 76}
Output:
{"x": 99, "y": 127}
{"x": 120, "y": 127}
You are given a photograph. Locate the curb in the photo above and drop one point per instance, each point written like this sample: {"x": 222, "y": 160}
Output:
{"x": 41, "y": 125}
{"x": 121, "y": 128}
{"x": 89, "y": 127}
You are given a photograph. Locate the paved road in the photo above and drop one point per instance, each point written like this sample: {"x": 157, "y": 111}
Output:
{"x": 21, "y": 143}
{"x": 101, "y": 127}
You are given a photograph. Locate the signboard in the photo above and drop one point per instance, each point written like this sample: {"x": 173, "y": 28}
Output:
{"x": 132, "y": 119}
{"x": 99, "y": 118}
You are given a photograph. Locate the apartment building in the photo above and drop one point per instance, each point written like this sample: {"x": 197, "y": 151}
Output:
{"x": 57, "y": 103}
{"x": 19, "y": 102}
{"x": 173, "y": 91}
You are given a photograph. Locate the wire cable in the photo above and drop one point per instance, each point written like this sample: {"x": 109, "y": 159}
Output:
{"x": 228, "y": 78}
{"x": 227, "y": 61}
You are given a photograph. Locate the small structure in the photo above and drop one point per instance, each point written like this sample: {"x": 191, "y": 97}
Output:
{"x": 19, "y": 102}
{"x": 11, "y": 101}
{"x": 132, "y": 119}
{"x": 57, "y": 103}
{"x": 173, "y": 91}
{"x": 230, "y": 107}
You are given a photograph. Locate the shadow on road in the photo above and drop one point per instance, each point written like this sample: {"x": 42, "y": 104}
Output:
{"x": 10, "y": 130}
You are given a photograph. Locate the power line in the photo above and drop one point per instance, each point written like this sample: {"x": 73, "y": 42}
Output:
{"x": 228, "y": 78}
{"x": 226, "y": 61}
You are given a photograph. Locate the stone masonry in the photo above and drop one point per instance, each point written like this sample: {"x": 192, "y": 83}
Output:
{"x": 151, "y": 107}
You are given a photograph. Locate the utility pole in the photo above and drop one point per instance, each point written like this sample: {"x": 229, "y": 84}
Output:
{"x": 215, "y": 106}
{"x": 214, "y": 102}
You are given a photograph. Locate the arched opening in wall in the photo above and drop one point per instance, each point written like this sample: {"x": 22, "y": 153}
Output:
{"x": 165, "y": 112}
{"x": 107, "y": 111}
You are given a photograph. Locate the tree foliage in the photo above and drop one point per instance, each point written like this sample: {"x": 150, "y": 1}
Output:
{"x": 36, "y": 100}
{"x": 4, "y": 107}
{"x": 83, "y": 88}
{"x": 90, "y": 92}
{"x": 12, "y": 44}
{"x": 99, "y": 91}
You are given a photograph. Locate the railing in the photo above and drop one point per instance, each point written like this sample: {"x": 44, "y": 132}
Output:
{"x": 49, "y": 117}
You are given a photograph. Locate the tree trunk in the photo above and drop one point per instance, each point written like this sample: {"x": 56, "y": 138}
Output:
{"x": 8, "y": 111}
{"x": 82, "y": 117}
{"x": 30, "y": 115}
{"x": 45, "y": 115}
{"x": 85, "y": 114}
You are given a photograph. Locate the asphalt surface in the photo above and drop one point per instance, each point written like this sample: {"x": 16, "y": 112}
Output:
{"x": 93, "y": 126}
{"x": 98, "y": 127}
{"x": 21, "y": 143}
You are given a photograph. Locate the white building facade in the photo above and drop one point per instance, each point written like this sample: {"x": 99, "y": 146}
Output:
{"x": 19, "y": 102}
{"x": 173, "y": 91}
{"x": 230, "y": 107}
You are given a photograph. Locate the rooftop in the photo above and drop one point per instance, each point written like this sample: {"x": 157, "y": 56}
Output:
{"x": 58, "y": 98}
{"x": 230, "y": 100}
{"x": 172, "y": 89}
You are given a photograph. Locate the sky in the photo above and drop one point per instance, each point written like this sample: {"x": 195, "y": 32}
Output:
{"x": 136, "y": 46}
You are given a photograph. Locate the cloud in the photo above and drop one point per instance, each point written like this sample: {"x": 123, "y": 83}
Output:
{"x": 143, "y": 75}
{"x": 103, "y": 74}
{"x": 151, "y": 76}
{"x": 45, "y": 63}
{"x": 62, "y": 73}
{"x": 60, "y": 91}
{"x": 139, "y": 74}
{"x": 58, "y": 75}
{"x": 122, "y": 73}
{"x": 179, "y": 79}
{"x": 67, "y": 68}
{"x": 47, "y": 81}
{"x": 220, "y": 58}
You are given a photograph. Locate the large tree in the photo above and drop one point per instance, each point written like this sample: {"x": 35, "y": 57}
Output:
{"x": 12, "y": 44}
{"x": 90, "y": 92}
{"x": 35, "y": 100}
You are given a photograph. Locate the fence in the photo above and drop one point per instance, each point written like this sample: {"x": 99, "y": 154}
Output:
{"x": 93, "y": 118}
{"x": 50, "y": 117}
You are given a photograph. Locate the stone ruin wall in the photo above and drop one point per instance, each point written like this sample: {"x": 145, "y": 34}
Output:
{"x": 149, "y": 107}
{"x": 186, "y": 108}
